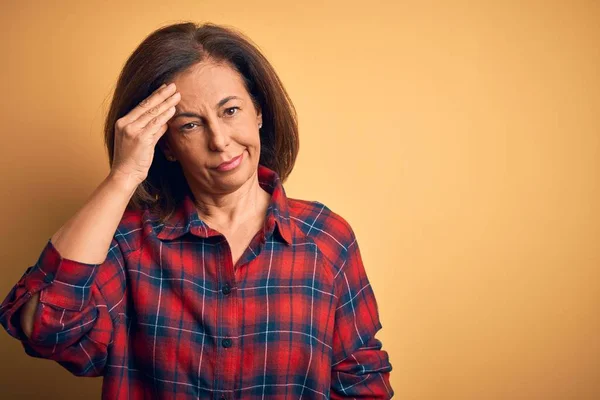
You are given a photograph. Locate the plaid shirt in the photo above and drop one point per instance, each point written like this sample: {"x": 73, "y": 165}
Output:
{"x": 167, "y": 315}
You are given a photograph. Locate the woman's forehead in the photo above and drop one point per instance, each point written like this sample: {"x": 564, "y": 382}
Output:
{"x": 209, "y": 86}
{"x": 208, "y": 73}
{"x": 208, "y": 81}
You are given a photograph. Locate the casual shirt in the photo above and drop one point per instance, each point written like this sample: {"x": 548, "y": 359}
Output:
{"x": 168, "y": 315}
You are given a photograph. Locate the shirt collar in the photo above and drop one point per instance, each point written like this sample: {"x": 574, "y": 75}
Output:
{"x": 185, "y": 218}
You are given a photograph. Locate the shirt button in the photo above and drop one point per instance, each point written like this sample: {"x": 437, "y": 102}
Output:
{"x": 49, "y": 277}
{"x": 226, "y": 289}
{"x": 226, "y": 342}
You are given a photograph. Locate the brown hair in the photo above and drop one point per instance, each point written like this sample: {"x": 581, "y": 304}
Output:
{"x": 172, "y": 49}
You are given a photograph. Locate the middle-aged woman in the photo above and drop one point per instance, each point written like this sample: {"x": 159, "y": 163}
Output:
{"x": 188, "y": 273}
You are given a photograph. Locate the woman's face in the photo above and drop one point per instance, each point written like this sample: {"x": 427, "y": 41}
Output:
{"x": 215, "y": 122}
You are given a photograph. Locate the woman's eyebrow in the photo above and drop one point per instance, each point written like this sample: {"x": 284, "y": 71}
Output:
{"x": 194, "y": 115}
{"x": 226, "y": 99}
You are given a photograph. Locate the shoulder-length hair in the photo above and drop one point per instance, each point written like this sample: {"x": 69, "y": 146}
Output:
{"x": 172, "y": 49}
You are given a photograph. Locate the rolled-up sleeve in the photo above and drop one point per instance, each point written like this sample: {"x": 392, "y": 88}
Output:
{"x": 74, "y": 318}
{"x": 360, "y": 368}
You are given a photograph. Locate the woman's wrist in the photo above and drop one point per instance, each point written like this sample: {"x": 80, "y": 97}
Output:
{"x": 122, "y": 182}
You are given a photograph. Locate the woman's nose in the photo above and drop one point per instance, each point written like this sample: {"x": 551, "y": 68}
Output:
{"x": 219, "y": 137}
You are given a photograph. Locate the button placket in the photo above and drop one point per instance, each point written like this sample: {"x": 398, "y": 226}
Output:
{"x": 228, "y": 356}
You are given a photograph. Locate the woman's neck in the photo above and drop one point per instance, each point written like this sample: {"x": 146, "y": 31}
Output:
{"x": 229, "y": 211}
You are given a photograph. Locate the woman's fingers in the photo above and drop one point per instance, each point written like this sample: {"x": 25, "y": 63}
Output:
{"x": 157, "y": 126}
{"x": 156, "y": 98}
{"x": 149, "y": 119}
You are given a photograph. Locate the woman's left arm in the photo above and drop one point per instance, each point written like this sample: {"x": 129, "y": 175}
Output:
{"x": 360, "y": 368}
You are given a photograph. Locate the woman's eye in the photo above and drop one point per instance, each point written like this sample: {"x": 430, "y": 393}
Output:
{"x": 231, "y": 110}
{"x": 188, "y": 126}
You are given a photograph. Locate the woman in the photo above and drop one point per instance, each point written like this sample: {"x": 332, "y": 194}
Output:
{"x": 188, "y": 273}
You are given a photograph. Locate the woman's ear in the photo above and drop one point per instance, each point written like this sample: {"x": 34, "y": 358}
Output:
{"x": 163, "y": 145}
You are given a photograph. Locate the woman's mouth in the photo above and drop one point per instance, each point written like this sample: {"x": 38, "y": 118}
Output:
{"x": 231, "y": 164}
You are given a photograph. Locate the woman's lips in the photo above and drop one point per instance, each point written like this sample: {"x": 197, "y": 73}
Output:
{"x": 231, "y": 164}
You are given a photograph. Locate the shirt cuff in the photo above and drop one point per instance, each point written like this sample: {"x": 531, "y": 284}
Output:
{"x": 63, "y": 283}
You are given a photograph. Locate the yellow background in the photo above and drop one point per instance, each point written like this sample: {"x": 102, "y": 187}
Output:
{"x": 460, "y": 139}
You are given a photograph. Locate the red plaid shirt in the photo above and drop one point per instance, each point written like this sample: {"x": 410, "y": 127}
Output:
{"x": 167, "y": 315}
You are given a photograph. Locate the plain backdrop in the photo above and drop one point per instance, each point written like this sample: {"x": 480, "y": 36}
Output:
{"x": 461, "y": 140}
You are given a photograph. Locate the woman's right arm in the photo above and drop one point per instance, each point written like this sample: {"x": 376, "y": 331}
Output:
{"x": 87, "y": 236}
{"x": 64, "y": 307}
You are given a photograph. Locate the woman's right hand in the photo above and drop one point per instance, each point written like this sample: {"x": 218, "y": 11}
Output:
{"x": 137, "y": 133}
